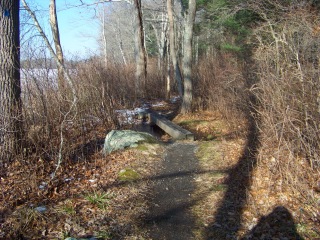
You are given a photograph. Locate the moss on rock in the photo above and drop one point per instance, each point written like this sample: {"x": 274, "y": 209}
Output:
{"x": 128, "y": 174}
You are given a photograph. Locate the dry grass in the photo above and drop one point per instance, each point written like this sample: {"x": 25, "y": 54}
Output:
{"x": 221, "y": 87}
{"x": 230, "y": 193}
{"x": 50, "y": 118}
{"x": 288, "y": 110}
{"x": 216, "y": 157}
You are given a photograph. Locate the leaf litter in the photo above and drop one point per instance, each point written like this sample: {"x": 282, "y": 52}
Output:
{"x": 116, "y": 207}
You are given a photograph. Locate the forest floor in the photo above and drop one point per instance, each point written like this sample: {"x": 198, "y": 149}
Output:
{"x": 173, "y": 190}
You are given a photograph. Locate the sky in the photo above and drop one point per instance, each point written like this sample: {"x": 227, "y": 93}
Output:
{"x": 78, "y": 26}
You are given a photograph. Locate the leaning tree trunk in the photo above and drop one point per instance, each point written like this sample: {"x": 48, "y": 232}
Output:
{"x": 187, "y": 58}
{"x": 10, "y": 90}
{"x": 56, "y": 38}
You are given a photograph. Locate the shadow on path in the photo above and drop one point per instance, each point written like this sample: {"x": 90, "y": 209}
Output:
{"x": 277, "y": 225}
{"x": 169, "y": 214}
{"x": 162, "y": 177}
{"x": 229, "y": 213}
{"x": 228, "y": 216}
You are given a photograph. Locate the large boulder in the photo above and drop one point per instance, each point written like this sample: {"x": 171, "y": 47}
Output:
{"x": 120, "y": 139}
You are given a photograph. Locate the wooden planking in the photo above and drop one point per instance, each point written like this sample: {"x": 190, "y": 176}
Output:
{"x": 169, "y": 127}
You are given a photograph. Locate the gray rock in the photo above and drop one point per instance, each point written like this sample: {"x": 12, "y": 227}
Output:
{"x": 120, "y": 139}
{"x": 41, "y": 209}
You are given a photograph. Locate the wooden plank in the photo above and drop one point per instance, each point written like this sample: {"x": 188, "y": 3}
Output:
{"x": 169, "y": 127}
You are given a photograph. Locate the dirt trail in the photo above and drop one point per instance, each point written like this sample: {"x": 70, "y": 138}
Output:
{"x": 169, "y": 215}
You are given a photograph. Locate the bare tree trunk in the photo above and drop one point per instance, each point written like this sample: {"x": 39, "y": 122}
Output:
{"x": 10, "y": 90}
{"x": 56, "y": 38}
{"x": 104, "y": 38}
{"x": 120, "y": 44}
{"x": 141, "y": 55}
{"x": 187, "y": 58}
{"x": 197, "y": 50}
{"x": 160, "y": 57}
{"x": 163, "y": 37}
{"x": 168, "y": 79}
{"x": 177, "y": 72}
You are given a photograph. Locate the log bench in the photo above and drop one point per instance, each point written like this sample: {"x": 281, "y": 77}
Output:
{"x": 175, "y": 131}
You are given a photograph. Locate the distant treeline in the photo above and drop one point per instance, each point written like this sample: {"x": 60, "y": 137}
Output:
{"x": 48, "y": 63}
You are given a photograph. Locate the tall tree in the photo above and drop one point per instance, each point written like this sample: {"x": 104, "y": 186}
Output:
{"x": 141, "y": 55}
{"x": 10, "y": 89}
{"x": 187, "y": 57}
{"x": 117, "y": 30}
{"x": 117, "y": 21}
{"x": 104, "y": 37}
{"x": 173, "y": 53}
{"x": 56, "y": 38}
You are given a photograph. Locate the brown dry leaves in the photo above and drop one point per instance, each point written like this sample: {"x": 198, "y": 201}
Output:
{"x": 85, "y": 198}
{"x": 221, "y": 199}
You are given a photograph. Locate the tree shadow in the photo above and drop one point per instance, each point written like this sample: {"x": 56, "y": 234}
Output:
{"x": 228, "y": 216}
{"x": 278, "y": 224}
{"x": 119, "y": 183}
{"x": 169, "y": 214}
{"x": 169, "y": 206}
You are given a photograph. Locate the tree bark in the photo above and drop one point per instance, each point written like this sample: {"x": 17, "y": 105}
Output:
{"x": 10, "y": 89}
{"x": 187, "y": 58}
{"x": 167, "y": 77}
{"x": 160, "y": 57}
{"x": 104, "y": 38}
{"x": 177, "y": 72}
{"x": 117, "y": 32}
{"x": 56, "y": 38}
{"x": 141, "y": 55}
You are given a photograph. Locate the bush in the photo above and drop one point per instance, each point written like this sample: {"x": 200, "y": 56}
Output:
{"x": 220, "y": 86}
{"x": 51, "y": 119}
{"x": 287, "y": 58}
